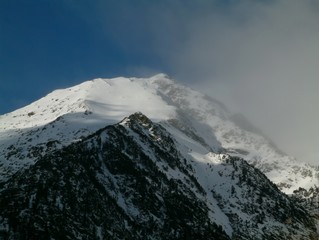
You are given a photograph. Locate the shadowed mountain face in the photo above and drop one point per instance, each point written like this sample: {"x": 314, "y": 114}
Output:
{"x": 133, "y": 180}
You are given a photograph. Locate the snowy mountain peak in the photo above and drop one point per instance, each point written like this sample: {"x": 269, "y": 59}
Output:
{"x": 198, "y": 123}
{"x": 112, "y": 99}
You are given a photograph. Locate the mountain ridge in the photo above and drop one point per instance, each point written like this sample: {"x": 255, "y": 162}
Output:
{"x": 64, "y": 116}
{"x": 138, "y": 170}
{"x": 172, "y": 162}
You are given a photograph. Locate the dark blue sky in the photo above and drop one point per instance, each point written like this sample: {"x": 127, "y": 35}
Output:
{"x": 47, "y": 44}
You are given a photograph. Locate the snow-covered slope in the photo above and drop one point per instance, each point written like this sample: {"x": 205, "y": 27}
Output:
{"x": 134, "y": 180}
{"x": 237, "y": 137}
{"x": 67, "y": 115}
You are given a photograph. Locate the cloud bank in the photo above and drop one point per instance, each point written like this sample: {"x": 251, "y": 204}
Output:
{"x": 261, "y": 58}
{"x": 264, "y": 63}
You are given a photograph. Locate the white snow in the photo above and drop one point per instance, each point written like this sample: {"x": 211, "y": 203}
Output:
{"x": 66, "y": 115}
{"x": 117, "y": 98}
{"x": 205, "y": 137}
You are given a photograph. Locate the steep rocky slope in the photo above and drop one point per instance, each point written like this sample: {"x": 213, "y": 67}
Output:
{"x": 131, "y": 181}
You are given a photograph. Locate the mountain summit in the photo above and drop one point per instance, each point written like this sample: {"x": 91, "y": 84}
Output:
{"x": 67, "y": 115}
{"x": 146, "y": 158}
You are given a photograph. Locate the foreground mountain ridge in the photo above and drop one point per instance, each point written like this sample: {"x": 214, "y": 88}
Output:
{"x": 133, "y": 180}
{"x": 147, "y": 158}
{"x": 67, "y": 115}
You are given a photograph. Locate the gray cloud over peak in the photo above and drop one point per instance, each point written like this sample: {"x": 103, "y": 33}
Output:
{"x": 262, "y": 59}
{"x": 259, "y": 57}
